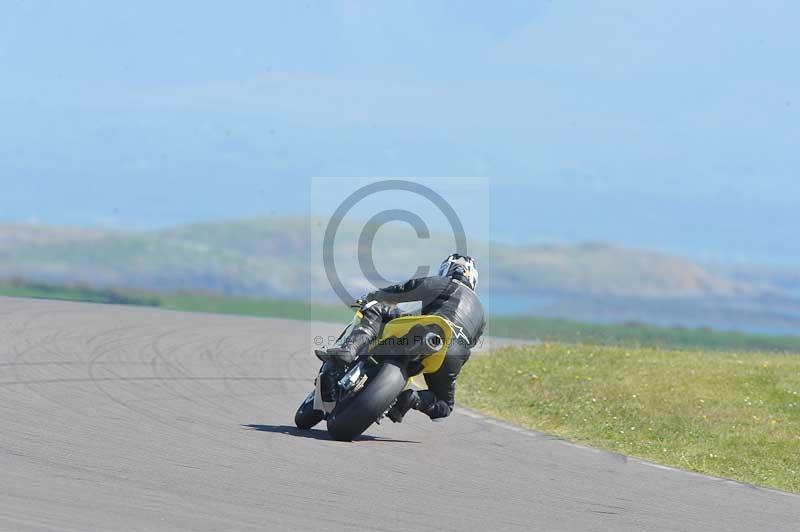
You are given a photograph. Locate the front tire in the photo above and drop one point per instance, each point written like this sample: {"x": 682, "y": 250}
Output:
{"x": 306, "y": 417}
{"x": 363, "y": 410}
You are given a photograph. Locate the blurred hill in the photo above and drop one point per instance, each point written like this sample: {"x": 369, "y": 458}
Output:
{"x": 278, "y": 257}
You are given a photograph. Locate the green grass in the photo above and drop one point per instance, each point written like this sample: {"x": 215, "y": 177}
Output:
{"x": 77, "y": 293}
{"x": 637, "y": 334}
{"x": 192, "y": 302}
{"x": 733, "y": 415}
{"x": 274, "y": 308}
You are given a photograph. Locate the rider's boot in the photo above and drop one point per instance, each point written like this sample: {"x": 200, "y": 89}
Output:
{"x": 348, "y": 351}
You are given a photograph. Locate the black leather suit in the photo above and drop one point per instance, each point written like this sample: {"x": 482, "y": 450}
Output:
{"x": 453, "y": 301}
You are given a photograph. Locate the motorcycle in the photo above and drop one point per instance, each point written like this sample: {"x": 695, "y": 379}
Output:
{"x": 352, "y": 398}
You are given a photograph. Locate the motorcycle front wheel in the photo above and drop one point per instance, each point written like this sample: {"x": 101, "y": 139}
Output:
{"x": 356, "y": 415}
{"x": 306, "y": 417}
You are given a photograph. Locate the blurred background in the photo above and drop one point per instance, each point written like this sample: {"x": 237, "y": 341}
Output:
{"x": 642, "y": 159}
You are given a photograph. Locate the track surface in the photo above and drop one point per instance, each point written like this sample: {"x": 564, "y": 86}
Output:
{"x": 115, "y": 418}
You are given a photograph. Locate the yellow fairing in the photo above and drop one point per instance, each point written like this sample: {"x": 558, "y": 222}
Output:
{"x": 399, "y": 327}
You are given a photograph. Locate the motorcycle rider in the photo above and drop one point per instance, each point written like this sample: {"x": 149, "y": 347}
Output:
{"x": 451, "y": 295}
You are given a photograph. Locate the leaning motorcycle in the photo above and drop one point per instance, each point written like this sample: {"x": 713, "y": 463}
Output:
{"x": 351, "y": 398}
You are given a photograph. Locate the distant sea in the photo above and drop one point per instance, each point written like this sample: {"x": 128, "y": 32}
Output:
{"x": 509, "y": 304}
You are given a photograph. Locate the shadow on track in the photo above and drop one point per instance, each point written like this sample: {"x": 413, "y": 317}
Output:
{"x": 315, "y": 434}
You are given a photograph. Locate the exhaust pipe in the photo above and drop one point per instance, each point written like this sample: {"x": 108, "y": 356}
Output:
{"x": 432, "y": 341}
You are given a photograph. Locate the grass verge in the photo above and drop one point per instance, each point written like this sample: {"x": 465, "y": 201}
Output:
{"x": 274, "y": 308}
{"x": 637, "y": 334}
{"x": 186, "y": 301}
{"x": 78, "y": 292}
{"x": 731, "y": 415}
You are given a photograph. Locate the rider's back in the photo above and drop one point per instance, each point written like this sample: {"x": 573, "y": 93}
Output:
{"x": 445, "y": 297}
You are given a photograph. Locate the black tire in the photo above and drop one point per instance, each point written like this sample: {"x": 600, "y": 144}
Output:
{"x": 306, "y": 417}
{"x": 364, "y": 409}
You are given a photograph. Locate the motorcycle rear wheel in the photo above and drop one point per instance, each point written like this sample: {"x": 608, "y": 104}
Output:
{"x": 358, "y": 414}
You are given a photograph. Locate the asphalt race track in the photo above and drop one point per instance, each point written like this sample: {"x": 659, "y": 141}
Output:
{"x": 117, "y": 418}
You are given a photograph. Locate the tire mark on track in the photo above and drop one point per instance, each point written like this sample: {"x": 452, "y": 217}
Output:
{"x": 84, "y": 380}
{"x": 173, "y": 370}
{"x": 160, "y": 418}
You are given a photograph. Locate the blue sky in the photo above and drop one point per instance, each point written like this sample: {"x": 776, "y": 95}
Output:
{"x": 668, "y": 125}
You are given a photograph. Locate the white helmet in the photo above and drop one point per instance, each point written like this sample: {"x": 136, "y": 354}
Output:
{"x": 461, "y": 268}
